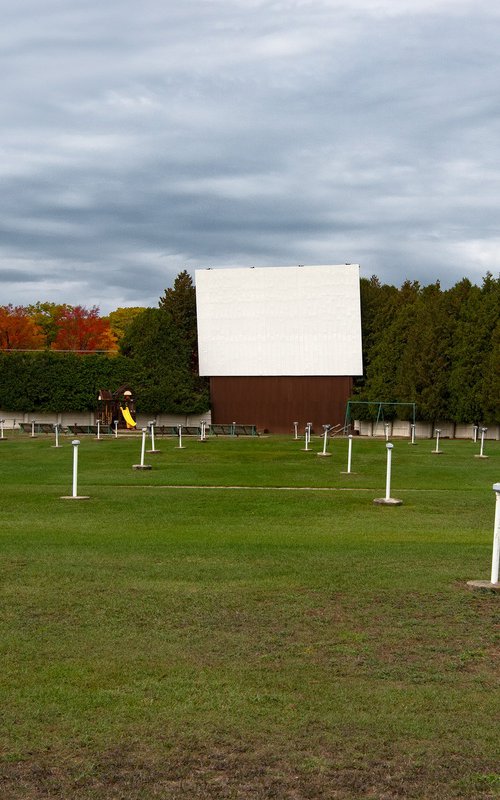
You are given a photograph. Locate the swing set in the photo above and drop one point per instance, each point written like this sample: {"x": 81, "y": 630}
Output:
{"x": 375, "y": 406}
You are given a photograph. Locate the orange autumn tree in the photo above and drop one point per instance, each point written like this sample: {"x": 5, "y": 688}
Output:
{"x": 82, "y": 329}
{"x": 18, "y": 331}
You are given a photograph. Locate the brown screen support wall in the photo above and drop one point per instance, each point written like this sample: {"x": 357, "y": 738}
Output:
{"x": 275, "y": 403}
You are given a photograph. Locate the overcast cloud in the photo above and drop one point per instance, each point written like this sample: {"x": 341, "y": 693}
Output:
{"x": 140, "y": 139}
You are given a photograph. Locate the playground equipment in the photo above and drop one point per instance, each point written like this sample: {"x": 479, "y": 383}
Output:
{"x": 127, "y": 416}
{"x": 118, "y": 405}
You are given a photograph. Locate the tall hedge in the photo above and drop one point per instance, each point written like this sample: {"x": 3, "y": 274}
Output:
{"x": 55, "y": 382}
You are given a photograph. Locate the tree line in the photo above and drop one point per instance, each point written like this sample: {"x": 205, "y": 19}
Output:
{"x": 57, "y": 358}
{"x": 437, "y": 348}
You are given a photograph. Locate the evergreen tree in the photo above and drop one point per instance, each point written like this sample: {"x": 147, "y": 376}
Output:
{"x": 423, "y": 371}
{"x": 391, "y": 323}
{"x": 473, "y": 368}
{"x": 180, "y": 302}
{"x": 161, "y": 357}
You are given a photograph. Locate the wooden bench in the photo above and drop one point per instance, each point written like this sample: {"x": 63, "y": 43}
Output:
{"x": 167, "y": 430}
{"x": 233, "y": 430}
{"x": 246, "y": 430}
{"x": 37, "y": 427}
{"x": 82, "y": 430}
{"x": 173, "y": 430}
{"x": 191, "y": 430}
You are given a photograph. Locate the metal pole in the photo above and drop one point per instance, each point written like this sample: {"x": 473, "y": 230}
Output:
{"x": 474, "y": 433}
{"x": 56, "y": 431}
{"x": 349, "y": 454}
{"x": 483, "y": 431}
{"x": 152, "y": 427}
{"x": 438, "y": 431}
{"x": 326, "y": 427}
{"x": 413, "y": 433}
{"x": 1, "y": 428}
{"x": 386, "y": 427}
{"x": 295, "y": 425}
{"x": 98, "y": 428}
{"x": 180, "y": 438}
{"x": 388, "y": 473}
{"x": 143, "y": 445}
{"x": 116, "y": 429}
{"x": 496, "y": 536}
{"x": 33, "y": 427}
{"x": 306, "y": 438}
{"x": 75, "y": 444}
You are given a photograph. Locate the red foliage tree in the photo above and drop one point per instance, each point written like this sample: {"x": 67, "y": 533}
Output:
{"x": 82, "y": 329}
{"x": 18, "y": 331}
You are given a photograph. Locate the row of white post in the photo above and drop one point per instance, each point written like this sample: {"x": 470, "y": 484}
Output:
{"x": 387, "y": 499}
{"x": 326, "y": 428}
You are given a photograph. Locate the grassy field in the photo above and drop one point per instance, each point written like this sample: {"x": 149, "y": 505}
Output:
{"x": 170, "y": 639}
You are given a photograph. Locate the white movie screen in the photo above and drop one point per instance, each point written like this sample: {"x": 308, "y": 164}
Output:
{"x": 279, "y": 321}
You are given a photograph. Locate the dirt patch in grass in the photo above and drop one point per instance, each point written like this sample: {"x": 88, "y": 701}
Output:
{"x": 245, "y": 771}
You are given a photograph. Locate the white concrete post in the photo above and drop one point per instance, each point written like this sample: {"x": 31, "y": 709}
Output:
{"x": 389, "y": 447}
{"x": 412, "y": 433}
{"x": 483, "y": 431}
{"x": 349, "y": 454}
{"x": 56, "y": 431}
{"x": 75, "y": 444}
{"x": 116, "y": 428}
{"x": 1, "y": 428}
{"x": 296, "y": 428}
{"x": 474, "y": 433}
{"x": 386, "y": 428}
{"x": 33, "y": 428}
{"x": 496, "y": 536}
{"x": 234, "y": 429}
{"x": 98, "y": 428}
{"x": 202, "y": 430}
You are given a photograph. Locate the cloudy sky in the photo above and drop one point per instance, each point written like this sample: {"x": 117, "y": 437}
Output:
{"x": 140, "y": 139}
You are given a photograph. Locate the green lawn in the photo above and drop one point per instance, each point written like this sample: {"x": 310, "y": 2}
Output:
{"x": 200, "y": 642}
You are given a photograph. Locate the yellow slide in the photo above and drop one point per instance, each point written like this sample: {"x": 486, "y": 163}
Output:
{"x": 127, "y": 416}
